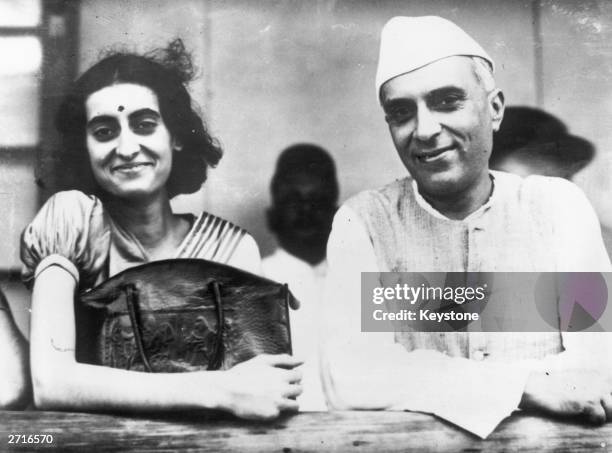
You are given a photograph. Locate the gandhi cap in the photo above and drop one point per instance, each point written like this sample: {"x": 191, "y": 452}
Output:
{"x": 409, "y": 43}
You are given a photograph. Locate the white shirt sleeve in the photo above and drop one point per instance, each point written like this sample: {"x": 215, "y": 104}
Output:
{"x": 363, "y": 370}
{"x": 579, "y": 244}
{"x": 580, "y": 248}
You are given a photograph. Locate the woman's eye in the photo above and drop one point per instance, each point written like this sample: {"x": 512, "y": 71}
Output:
{"x": 145, "y": 127}
{"x": 104, "y": 134}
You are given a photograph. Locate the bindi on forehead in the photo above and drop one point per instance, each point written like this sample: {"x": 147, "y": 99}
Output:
{"x": 117, "y": 100}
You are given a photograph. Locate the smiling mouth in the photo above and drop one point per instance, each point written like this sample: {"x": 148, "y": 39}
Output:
{"x": 432, "y": 155}
{"x": 135, "y": 166}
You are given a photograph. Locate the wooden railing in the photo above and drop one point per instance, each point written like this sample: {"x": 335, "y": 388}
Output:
{"x": 335, "y": 431}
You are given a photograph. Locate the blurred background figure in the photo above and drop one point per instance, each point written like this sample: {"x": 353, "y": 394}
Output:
{"x": 14, "y": 374}
{"x": 304, "y": 193}
{"x": 534, "y": 142}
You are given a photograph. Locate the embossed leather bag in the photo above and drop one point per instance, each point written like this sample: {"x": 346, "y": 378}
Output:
{"x": 183, "y": 315}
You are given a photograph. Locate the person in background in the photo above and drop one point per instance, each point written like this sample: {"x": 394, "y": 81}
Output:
{"x": 452, "y": 213}
{"x": 130, "y": 132}
{"x": 304, "y": 193}
{"x": 532, "y": 141}
{"x": 14, "y": 373}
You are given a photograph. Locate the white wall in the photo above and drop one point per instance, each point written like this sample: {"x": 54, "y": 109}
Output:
{"x": 18, "y": 200}
{"x": 577, "y": 74}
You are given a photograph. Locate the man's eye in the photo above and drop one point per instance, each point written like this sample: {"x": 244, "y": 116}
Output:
{"x": 399, "y": 115}
{"x": 104, "y": 133}
{"x": 145, "y": 127}
{"x": 449, "y": 102}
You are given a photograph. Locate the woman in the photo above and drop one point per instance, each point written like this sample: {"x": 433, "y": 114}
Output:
{"x": 129, "y": 119}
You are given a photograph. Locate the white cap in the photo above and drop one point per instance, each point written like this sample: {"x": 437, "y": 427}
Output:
{"x": 409, "y": 43}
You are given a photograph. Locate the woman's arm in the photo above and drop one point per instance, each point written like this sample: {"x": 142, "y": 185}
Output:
{"x": 14, "y": 377}
{"x": 258, "y": 388}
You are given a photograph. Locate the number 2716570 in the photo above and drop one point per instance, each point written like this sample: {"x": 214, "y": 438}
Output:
{"x": 30, "y": 438}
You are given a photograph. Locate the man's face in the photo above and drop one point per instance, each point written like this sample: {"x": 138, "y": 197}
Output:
{"x": 442, "y": 121}
{"x": 303, "y": 210}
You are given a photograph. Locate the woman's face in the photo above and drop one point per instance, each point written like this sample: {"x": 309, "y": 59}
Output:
{"x": 129, "y": 146}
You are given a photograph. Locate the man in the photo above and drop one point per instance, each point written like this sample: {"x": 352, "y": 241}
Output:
{"x": 304, "y": 199}
{"x": 436, "y": 87}
{"x": 14, "y": 374}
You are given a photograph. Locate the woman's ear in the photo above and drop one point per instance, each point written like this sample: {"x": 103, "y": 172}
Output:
{"x": 497, "y": 105}
{"x": 177, "y": 145}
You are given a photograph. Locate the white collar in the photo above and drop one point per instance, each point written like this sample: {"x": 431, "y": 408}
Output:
{"x": 292, "y": 260}
{"x": 434, "y": 212}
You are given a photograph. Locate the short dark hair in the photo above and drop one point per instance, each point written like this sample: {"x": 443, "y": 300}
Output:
{"x": 164, "y": 71}
{"x": 305, "y": 158}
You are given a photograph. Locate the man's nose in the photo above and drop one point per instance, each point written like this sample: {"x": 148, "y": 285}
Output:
{"x": 427, "y": 125}
{"x": 128, "y": 145}
{"x": 307, "y": 207}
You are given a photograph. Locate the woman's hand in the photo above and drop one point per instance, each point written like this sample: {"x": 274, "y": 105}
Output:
{"x": 262, "y": 387}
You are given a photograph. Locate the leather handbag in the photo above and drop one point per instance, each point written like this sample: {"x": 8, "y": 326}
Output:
{"x": 183, "y": 315}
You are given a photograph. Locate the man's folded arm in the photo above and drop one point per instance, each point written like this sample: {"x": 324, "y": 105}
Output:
{"x": 368, "y": 370}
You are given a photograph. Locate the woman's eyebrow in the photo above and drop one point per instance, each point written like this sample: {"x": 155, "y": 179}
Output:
{"x": 100, "y": 119}
{"x": 144, "y": 112}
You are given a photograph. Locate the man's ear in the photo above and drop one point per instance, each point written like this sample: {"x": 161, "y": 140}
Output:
{"x": 497, "y": 104}
{"x": 272, "y": 219}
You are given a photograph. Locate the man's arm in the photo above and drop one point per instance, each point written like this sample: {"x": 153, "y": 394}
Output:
{"x": 14, "y": 374}
{"x": 577, "y": 382}
{"x": 370, "y": 371}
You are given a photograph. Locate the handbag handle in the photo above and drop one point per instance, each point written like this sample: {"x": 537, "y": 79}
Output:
{"x": 287, "y": 297}
{"x": 217, "y": 358}
{"x": 131, "y": 293}
{"x": 131, "y": 297}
